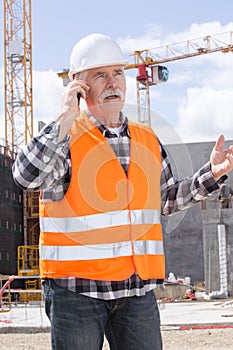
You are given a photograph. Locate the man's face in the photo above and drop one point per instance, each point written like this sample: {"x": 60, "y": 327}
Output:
{"x": 107, "y": 89}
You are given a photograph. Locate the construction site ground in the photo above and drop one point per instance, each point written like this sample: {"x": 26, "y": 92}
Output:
{"x": 185, "y": 325}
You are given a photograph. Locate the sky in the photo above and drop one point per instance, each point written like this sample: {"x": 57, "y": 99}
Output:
{"x": 194, "y": 105}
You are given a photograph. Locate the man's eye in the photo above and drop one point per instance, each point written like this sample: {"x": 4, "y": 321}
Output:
{"x": 100, "y": 75}
{"x": 119, "y": 72}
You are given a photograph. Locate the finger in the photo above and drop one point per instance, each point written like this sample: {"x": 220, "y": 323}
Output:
{"x": 230, "y": 158}
{"x": 82, "y": 88}
{"x": 82, "y": 92}
{"x": 219, "y": 143}
{"x": 79, "y": 90}
{"x": 231, "y": 149}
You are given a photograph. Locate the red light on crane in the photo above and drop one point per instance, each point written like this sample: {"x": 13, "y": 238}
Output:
{"x": 142, "y": 72}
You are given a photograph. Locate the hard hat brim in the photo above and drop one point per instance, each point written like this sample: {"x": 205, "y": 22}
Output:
{"x": 72, "y": 72}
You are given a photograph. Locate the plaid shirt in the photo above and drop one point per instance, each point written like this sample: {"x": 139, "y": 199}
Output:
{"x": 45, "y": 165}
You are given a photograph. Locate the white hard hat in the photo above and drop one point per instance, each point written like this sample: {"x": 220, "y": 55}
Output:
{"x": 95, "y": 50}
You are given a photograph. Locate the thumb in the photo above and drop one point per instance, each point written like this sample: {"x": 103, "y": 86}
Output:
{"x": 219, "y": 143}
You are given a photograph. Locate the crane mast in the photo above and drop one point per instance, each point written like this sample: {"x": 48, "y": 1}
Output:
{"x": 17, "y": 74}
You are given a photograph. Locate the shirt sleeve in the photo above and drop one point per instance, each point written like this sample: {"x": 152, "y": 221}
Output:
{"x": 43, "y": 162}
{"x": 177, "y": 195}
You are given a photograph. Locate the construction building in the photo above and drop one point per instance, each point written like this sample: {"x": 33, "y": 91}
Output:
{"x": 11, "y": 217}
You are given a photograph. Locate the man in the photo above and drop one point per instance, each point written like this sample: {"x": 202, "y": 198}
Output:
{"x": 104, "y": 182}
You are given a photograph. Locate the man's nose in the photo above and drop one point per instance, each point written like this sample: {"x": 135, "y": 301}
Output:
{"x": 111, "y": 82}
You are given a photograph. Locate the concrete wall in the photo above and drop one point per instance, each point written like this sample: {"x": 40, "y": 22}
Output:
{"x": 183, "y": 232}
{"x": 211, "y": 219}
{"x": 183, "y": 244}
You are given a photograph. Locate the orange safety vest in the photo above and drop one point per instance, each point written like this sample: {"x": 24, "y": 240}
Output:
{"x": 107, "y": 226}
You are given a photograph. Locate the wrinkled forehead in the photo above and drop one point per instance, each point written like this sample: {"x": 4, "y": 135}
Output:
{"x": 105, "y": 69}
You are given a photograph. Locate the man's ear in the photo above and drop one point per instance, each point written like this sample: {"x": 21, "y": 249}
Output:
{"x": 71, "y": 76}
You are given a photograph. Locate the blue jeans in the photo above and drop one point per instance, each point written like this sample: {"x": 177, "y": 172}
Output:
{"x": 80, "y": 323}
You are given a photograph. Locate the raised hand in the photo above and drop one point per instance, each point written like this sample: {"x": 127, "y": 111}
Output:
{"x": 221, "y": 160}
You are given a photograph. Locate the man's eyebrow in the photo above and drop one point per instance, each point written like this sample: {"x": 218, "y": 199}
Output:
{"x": 117, "y": 70}
{"x": 97, "y": 73}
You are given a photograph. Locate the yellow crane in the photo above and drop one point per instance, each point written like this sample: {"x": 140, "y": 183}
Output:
{"x": 149, "y": 63}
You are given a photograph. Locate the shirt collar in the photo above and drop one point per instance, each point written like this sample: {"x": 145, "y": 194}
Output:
{"x": 123, "y": 119}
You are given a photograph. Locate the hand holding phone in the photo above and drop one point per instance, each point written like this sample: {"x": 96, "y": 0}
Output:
{"x": 83, "y": 87}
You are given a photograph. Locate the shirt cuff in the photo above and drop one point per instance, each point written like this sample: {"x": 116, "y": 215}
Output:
{"x": 51, "y": 132}
{"x": 207, "y": 180}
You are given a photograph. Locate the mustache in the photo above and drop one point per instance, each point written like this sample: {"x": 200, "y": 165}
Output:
{"x": 111, "y": 92}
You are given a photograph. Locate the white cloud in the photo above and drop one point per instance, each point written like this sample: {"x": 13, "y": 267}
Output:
{"x": 155, "y": 36}
{"x": 131, "y": 93}
{"x": 205, "y": 113}
{"x": 47, "y": 94}
{"x": 205, "y": 110}
{"x": 199, "y": 90}
{"x": 198, "y": 30}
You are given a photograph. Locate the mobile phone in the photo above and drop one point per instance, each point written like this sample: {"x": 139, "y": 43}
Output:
{"x": 78, "y": 97}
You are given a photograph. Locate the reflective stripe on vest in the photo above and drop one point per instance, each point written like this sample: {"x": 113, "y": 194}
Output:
{"x": 101, "y": 251}
{"x": 98, "y": 221}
